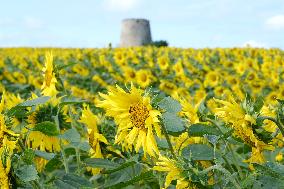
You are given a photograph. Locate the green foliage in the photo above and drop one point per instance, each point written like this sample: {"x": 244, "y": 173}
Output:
{"x": 173, "y": 123}
{"x": 198, "y": 152}
{"x": 27, "y": 173}
{"x": 208, "y": 154}
{"x": 160, "y": 43}
{"x": 200, "y": 130}
{"x": 101, "y": 163}
{"x": 72, "y": 181}
{"x": 170, "y": 105}
{"x": 48, "y": 128}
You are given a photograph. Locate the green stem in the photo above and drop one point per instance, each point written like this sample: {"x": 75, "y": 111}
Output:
{"x": 77, "y": 150}
{"x": 65, "y": 163}
{"x": 279, "y": 125}
{"x": 36, "y": 184}
{"x": 229, "y": 147}
{"x": 78, "y": 159}
{"x": 169, "y": 141}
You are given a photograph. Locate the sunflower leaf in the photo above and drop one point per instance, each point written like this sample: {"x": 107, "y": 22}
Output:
{"x": 77, "y": 181}
{"x": 34, "y": 102}
{"x": 70, "y": 100}
{"x": 45, "y": 155}
{"x": 200, "y": 129}
{"x": 273, "y": 169}
{"x": 198, "y": 152}
{"x": 27, "y": 173}
{"x": 71, "y": 135}
{"x": 173, "y": 123}
{"x": 170, "y": 105}
{"x": 47, "y": 127}
{"x": 143, "y": 176}
{"x": 101, "y": 163}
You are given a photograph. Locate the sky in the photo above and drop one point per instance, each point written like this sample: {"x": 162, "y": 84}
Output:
{"x": 183, "y": 23}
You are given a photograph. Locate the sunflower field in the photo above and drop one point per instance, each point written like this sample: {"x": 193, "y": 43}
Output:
{"x": 142, "y": 117}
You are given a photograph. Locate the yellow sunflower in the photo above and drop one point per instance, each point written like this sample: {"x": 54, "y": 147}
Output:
{"x": 233, "y": 113}
{"x": 135, "y": 117}
{"x": 174, "y": 173}
{"x": 48, "y": 86}
{"x": 91, "y": 120}
{"x": 6, "y": 148}
{"x": 144, "y": 78}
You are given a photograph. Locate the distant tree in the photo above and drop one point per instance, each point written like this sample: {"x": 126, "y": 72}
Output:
{"x": 159, "y": 43}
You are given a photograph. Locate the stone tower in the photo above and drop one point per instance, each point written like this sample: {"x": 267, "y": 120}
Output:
{"x": 135, "y": 32}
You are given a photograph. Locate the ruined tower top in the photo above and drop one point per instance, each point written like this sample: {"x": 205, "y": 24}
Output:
{"x": 135, "y": 32}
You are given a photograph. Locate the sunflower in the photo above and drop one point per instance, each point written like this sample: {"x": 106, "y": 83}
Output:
{"x": 91, "y": 120}
{"x": 6, "y": 152}
{"x": 6, "y": 148}
{"x": 48, "y": 86}
{"x": 129, "y": 73}
{"x": 167, "y": 87}
{"x": 45, "y": 112}
{"x": 163, "y": 62}
{"x": 211, "y": 79}
{"x": 241, "y": 122}
{"x": 144, "y": 78}
{"x": 190, "y": 110}
{"x": 135, "y": 117}
{"x": 174, "y": 173}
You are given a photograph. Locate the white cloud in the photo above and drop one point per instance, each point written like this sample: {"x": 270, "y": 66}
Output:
{"x": 32, "y": 23}
{"x": 120, "y": 5}
{"x": 275, "y": 22}
{"x": 4, "y": 22}
{"x": 252, "y": 43}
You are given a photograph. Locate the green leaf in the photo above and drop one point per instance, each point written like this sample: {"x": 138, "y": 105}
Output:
{"x": 63, "y": 66}
{"x": 70, "y": 100}
{"x": 28, "y": 156}
{"x": 259, "y": 102}
{"x": 63, "y": 185}
{"x": 47, "y": 127}
{"x": 143, "y": 176}
{"x": 267, "y": 182}
{"x": 85, "y": 146}
{"x": 170, "y": 105}
{"x": 101, "y": 163}
{"x": 45, "y": 155}
{"x": 71, "y": 135}
{"x": 75, "y": 180}
{"x": 53, "y": 164}
{"x": 200, "y": 129}
{"x": 198, "y": 152}
{"x": 173, "y": 123}
{"x": 27, "y": 173}
{"x": 122, "y": 166}
{"x": 162, "y": 143}
{"x": 273, "y": 169}
{"x": 34, "y": 102}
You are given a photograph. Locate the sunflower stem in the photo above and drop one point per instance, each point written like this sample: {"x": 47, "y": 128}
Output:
{"x": 65, "y": 163}
{"x": 278, "y": 124}
{"x": 229, "y": 147}
{"x": 169, "y": 141}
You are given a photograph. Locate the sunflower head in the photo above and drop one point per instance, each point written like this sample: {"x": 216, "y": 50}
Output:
{"x": 135, "y": 117}
{"x": 47, "y": 113}
{"x": 48, "y": 87}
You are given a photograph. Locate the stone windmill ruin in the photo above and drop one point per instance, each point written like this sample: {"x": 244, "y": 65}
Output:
{"x": 135, "y": 32}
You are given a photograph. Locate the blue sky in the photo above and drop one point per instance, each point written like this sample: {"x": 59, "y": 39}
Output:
{"x": 183, "y": 23}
